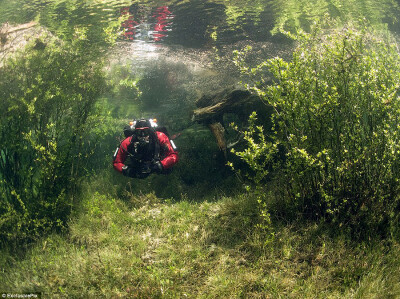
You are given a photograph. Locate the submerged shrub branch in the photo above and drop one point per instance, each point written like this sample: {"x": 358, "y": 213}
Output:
{"x": 337, "y": 121}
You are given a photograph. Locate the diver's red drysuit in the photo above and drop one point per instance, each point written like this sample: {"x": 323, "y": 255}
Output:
{"x": 168, "y": 157}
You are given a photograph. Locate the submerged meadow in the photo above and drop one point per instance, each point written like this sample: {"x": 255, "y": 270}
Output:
{"x": 306, "y": 204}
{"x": 144, "y": 247}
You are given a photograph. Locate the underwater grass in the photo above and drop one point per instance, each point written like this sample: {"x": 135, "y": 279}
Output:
{"x": 146, "y": 247}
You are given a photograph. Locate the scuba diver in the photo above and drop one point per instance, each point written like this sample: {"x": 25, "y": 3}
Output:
{"x": 146, "y": 149}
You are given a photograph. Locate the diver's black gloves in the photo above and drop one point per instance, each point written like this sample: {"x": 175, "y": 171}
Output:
{"x": 157, "y": 167}
{"x": 128, "y": 171}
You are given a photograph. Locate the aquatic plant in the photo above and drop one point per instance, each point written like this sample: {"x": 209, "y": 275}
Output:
{"x": 47, "y": 97}
{"x": 334, "y": 151}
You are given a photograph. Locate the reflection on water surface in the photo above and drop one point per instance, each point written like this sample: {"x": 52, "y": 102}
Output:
{"x": 196, "y": 23}
{"x": 146, "y": 24}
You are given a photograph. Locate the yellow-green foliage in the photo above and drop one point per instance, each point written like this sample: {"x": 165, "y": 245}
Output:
{"x": 47, "y": 96}
{"x": 294, "y": 15}
{"x": 335, "y": 147}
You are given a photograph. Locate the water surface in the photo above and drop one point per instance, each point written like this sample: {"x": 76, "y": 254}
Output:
{"x": 197, "y": 23}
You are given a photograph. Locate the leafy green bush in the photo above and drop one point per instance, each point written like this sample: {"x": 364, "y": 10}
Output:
{"x": 47, "y": 97}
{"x": 336, "y": 125}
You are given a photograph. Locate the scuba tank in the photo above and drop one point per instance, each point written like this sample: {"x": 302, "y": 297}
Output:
{"x": 172, "y": 144}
